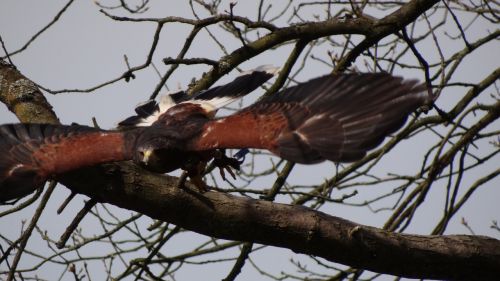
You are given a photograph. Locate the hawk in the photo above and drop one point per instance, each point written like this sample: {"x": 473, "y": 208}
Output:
{"x": 332, "y": 117}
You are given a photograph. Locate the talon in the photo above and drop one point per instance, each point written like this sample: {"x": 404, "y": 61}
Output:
{"x": 199, "y": 183}
{"x": 231, "y": 172}
{"x": 225, "y": 163}
{"x": 222, "y": 174}
{"x": 195, "y": 173}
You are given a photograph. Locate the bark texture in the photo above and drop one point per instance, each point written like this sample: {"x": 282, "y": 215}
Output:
{"x": 300, "y": 229}
{"x": 23, "y": 97}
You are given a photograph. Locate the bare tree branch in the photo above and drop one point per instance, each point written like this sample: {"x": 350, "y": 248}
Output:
{"x": 300, "y": 229}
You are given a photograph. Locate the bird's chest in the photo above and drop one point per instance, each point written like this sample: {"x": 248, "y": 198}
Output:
{"x": 170, "y": 143}
{"x": 170, "y": 159}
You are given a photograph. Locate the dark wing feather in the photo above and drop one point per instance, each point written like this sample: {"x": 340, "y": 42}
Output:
{"x": 179, "y": 96}
{"x": 215, "y": 98}
{"x": 147, "y": 108}
{"x": 244, "y": 84}
{"x": 338, "y": 118}
{"x": 33, "y": 153}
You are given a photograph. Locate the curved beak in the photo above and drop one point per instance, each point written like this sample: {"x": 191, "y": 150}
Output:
{"x": 146, "y": 154}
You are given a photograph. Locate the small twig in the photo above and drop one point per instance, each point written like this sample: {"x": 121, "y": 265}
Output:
{"x": 74, "y": 224}
{"x": 190, "y": 61}
{"x": 455, "y": 19}
{"x": 27, "y": 234}
{"x": 66, "y": 202}
{"x": 94, "y": 123}
{"x": 428, "y": 82}
{"x": 279, "y": 182}
{"x": 240, "y": 262}
{"x": 159, "y": 74}
{"x": 231, "y": 22}
{"x": 494, "y": 225}
{"x": 466, "y": 224}
{"x": 422, "y": 62}
{"x": 6, "y": 53}
{"x": 155, "y": 225}
{"x": 156, "y": 250}
{"x": 285, "y": 70}
{"x": 22, "y": 205}
{"x": 138, "y": 8}
{"x": 187, "y": 43}
{"x": 45, "y": 28}
{"x": 130, "y": 74}
{"x": 72, "y": 269}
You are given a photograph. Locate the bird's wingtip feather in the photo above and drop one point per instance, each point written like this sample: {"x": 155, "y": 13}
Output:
{"x": 266, "y": 68}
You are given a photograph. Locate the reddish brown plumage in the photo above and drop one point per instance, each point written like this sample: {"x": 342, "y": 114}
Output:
{"x": 246, "y": 129}
{"x": 81, "y": 150}
{"x": 34, "y": 153}
{"x": 337, "y": 118}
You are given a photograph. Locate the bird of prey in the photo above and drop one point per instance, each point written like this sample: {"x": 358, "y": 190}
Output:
{"x": 333, "y": 117}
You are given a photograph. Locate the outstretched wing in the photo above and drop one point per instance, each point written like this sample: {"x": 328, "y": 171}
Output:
{"x": 245, "y": 83}
{"x": 33, "y": 153}
{"x": 211, "y": 99}
{"x": 334, "y": 117}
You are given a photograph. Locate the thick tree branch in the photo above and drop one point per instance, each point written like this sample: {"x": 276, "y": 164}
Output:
{"x": 372, "y": 29}
{"x": 23, "y": 97}
{"x": 298, "y": 228}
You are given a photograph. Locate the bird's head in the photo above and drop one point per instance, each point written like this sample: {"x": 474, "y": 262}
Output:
{"x": 156, "y": 153}
{"x": 144, "y": 155}
{"x": 154, "y": 159}
{"x": 148, "y": 141}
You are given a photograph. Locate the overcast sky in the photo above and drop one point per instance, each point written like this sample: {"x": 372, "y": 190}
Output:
{"x": 86, "y": 48}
